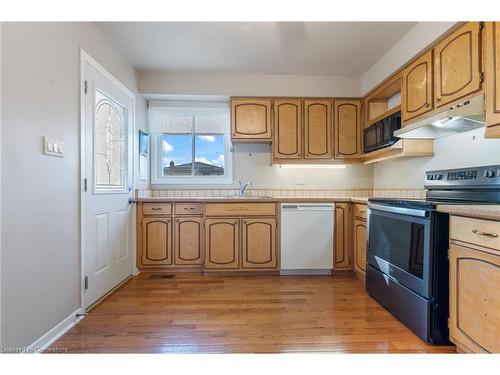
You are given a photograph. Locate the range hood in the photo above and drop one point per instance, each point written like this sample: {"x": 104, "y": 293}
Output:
{"x": 459, "y": 118}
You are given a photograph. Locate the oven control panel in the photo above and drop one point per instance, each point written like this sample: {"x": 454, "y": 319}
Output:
{"x": 464, "y": 177}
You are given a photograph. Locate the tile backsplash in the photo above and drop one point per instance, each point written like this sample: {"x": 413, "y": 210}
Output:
{"x": 284, "y": 193}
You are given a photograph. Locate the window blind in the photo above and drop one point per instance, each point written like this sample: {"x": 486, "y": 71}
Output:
{"x": 189, "y": 117}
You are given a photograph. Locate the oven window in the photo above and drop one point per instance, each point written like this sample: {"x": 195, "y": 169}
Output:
{"x": 398, "y": 242}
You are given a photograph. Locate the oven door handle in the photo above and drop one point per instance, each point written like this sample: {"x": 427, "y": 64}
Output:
{"x": 398, "y": 210}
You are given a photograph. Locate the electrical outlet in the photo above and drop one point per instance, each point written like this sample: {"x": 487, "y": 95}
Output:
{"x": 300, "y": 179}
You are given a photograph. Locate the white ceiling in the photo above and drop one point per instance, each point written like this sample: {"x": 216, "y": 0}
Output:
{"x": 298, "y": 48}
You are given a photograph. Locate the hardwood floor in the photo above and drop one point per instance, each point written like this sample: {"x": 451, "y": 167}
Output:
{"x": 192, "y": 313}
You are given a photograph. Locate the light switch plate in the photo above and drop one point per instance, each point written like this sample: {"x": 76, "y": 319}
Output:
{"x": 300, "y": 179}
{"x": 53, "y": 147}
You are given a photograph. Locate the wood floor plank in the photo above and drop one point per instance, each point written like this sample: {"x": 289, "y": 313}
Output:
{"x": 192, "y": 313}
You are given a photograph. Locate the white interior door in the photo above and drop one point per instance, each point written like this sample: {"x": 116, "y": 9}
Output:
{"x": 108, "y": 121}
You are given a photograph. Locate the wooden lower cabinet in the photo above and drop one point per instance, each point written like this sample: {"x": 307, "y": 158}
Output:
{"x": 359, "y": 237}
{"x": 188, "y": 242}
{"x": 474, "y": 299}
{"x": 343, "y": 236}
{"x": 222, "y": 243}
{"x": 259, "y": 243}
{"x": 156, "y": 241}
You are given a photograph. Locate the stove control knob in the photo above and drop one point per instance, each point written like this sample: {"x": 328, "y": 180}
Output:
{"x": 490, "y": 173}
{"x": 430, "y": 177}
{"x": 439, "y": 176}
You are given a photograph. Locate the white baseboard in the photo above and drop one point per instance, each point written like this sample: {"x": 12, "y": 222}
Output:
{"x": 46, "y": 340}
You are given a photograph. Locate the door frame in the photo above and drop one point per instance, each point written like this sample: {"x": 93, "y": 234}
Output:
{"x": 86, "y": 58}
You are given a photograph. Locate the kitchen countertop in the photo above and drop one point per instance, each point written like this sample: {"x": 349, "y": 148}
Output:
{"x": 362, "y": 200}
{"x": 483, "y": 211}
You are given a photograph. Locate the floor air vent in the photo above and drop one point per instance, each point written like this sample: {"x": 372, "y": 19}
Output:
{"x": 160, "y": 276}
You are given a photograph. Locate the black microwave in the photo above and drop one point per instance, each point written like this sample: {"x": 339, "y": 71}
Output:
{"x": 381, "y": 134}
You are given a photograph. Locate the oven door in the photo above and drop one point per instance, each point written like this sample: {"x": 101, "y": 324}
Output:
{"x": 399, "y": 245}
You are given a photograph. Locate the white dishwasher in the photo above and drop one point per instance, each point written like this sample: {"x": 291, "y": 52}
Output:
{"x": 307, "y": 238}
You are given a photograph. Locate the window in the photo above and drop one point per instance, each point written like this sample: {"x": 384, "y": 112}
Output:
{"x": 190, "y": 143}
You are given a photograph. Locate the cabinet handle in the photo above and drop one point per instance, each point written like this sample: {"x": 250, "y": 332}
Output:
{"x": 427, "y": 105}
{"x": 487, "y": 234}
{"x": 176, "y": 220}
{"x": 189, "y": 208}
{"x": 438, "y": 100}
{"x": 156, "y": 208}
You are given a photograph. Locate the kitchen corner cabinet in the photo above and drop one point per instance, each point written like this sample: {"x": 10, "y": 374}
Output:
{"x": 492, "y": 78}
{"x": 457, "y": 68}
{"x": 318, "y": 129}
{"x": 259, "y": 243}
{"x": 474, "y": 279}
{"x": 287, "y": 143}
{"x": 343, "y": 237}
{"x": 251, "y": 120}
{"x": 416, "y": 90}
{"x": 156, "y": 241}
{"x": 222, "y": 243}
{"x": 347, "y": 128}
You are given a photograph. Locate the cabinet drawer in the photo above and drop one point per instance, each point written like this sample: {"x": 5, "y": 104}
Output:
{"x": 157, "y": 208}
{"x": 478, "y": 232}
{"x": 246, "y": 209}
{"x": 359, "y": 210}
{"x": 188, "y": 208}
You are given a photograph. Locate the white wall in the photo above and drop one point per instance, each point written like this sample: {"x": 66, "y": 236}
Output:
{"x": 252, "y": 162}
{"x": 467, "y": 149}
{"x": 40, "y": 194}
{"x": 164, "y": 83}
{"x": 414, "y": 41}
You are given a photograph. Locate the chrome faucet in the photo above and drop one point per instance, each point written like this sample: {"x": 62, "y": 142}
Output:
{"x": 243, "y": 187}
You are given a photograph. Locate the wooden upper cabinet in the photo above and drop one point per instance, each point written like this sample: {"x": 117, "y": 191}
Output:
{"x": 251, "y": 120}
{"x": 342, "y": 236}
{"x": 156, "y": 241}
{"x": 259, "y": 243}
{"x": 456, "y": 65}
{"x": 347, "y": 115}
{"x": 287, "y": 143}
{"x": 492, "y": 79}
{"x": 474, "y": 299}
{"x": 317, "y": 129}
{"x": 416, "y": 90}
{"x": 222, "y": 243}
{"x": 188, "y": 243}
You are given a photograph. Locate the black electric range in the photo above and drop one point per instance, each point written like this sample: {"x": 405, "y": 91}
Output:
{"x": 407, "y": 247}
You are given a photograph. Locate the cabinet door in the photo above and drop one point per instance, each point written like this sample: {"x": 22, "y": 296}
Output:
{"x": 456, "y": 65}
{"x": 259, "y": 243}
{"x": 156, "y": 241}
{"x": 188, "y": 234}
{"x": 222, "y": 242}
{"x": 347, "y": 128}
{"x": 492, "y": 78}
{"x": 342, "y": 236}
{"x": 251, "y": 120}
{"x": 416, "y": 93}
{"x": 359, "y": 235}
{"x": 287, "y": 142}
{"x": 474, "y": 299}
{"x": 318, "y": 129}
